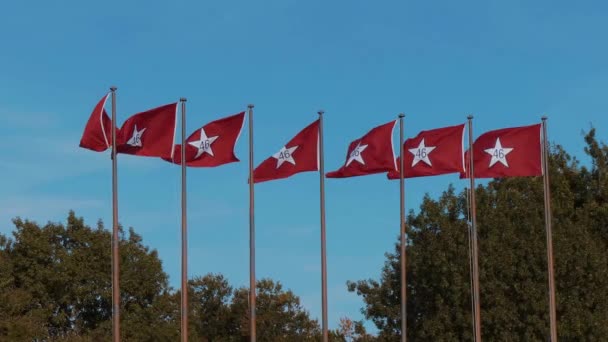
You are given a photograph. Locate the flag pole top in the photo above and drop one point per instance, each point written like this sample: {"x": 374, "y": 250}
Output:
{"x": 250, "y": 106}
{"x": 113, "y": 88}
{"x": 183, "y": 99}
{"x": 544, "y": 118}
{"x": 401, "y": 115}
{"x": 470, "y": 117}
{"x": 321, "y": 112}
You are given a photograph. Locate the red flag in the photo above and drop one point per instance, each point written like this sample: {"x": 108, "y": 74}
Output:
{"x": 300, "y": 154}
{"x": 97, "y": 135}
{"x": 433, "y": 152}
{"x": 213, "y": 144}
{"x": 508, "y": 152}
{"x": 150, "y": 133}
{"x": 372, "y": 153}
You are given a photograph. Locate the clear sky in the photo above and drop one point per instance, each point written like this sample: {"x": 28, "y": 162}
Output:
{"x": 363, "y": 62}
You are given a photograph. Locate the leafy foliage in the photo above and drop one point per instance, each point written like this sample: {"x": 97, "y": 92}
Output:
{"x": 512, "y": 257}
{"x": 55, "y": 285}
{"x": 221, "y": 313}
{"x": 55, "y": 279}
{"x": 57, "y": 282}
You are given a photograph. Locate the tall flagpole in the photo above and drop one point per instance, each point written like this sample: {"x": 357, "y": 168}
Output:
{"x": 477, "y": 312}
{"x": 252, "y": 288}
{"x": 469, "y": 232}
{"x": 550, "y": 274}
{"x": 402, "y": 234}
{"x": 115, "y": 240}
{"x": 184, "y": 327}
{"x": 323, "y": 251}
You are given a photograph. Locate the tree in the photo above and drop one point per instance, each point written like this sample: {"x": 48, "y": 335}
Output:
{"x": 210, "y": 306}
{"x": 58, "y": 277}
{"x": 512, "y": 256}
{"x": 351, "y": 331}
{"x": 20, "y": 319}
{"x": 221, "y": 313}
{"x": 438, "y": 288}
{"x": 55, "y": 284}
{"x": 279, "y": 314}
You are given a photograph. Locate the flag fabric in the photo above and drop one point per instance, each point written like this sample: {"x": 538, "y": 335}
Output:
{"x": 97, "y": 135}
{"x": 433, "y": 152}
{"x": 150, "y": 133}
{"x": 370, "y": 154}
{"x": 300, "y": 154}
{"x": 213, "y": 144}
{"x": 508, "y": 152}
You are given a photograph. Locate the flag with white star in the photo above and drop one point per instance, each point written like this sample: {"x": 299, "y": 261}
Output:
{"x": 508, "y": 152}
{"x": 300, "y": 154}
{"x": 150, "y": 133}
{"x": 97, "y": 135}
{"x": 433, "y": 152}
{"x": 213, "y": 144}
{"x": 370, "y": 154}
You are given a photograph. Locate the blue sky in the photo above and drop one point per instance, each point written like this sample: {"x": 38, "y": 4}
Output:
{"x": 363, "y": 62}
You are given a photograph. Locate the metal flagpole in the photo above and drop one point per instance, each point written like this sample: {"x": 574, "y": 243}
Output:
{"x": 184, "y": 327}
{"x": 323, "y": 251}
{"x": 550, "y": 274}
{"x": 477, "y": 312}
{"x": 252, "y": 287}
{"x": 469, "y": 232}
{"x": 402, "y": 234}
{"x": 115, "y": 240}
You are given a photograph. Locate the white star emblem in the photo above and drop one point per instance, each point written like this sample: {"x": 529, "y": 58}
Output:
{"x": 285, "y": 155}
{"x": 421, "y": 153}
{"x": 499, "y": 154}
{"x": 136, "y": 137}
{"x": 203, "y": 144}
{"x": 356, "y": 154}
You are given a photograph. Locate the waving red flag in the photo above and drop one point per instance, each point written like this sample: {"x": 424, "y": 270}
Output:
{"x": 508, "y": 152}
{"x": 300, "y": 154}
{"x": 213, "y": 144}
{"x": 370, "y": 154}
{"x": 150, "y": 133}
{"x": 433, "y": 152}
{"x": 97, "y": 135}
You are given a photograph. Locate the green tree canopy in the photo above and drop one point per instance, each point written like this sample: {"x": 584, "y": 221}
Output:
{"x": 512, "y": 257}
{"x": 55, "y": 279}
{"x": 221, "y": 313}
{"x": 55, "y": 284}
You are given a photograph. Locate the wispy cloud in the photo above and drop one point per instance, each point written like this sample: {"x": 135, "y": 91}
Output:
{"x": 31, "y": 161}
{"x": 26, "y": 173}
{"x": 41, "y": 208}
{"x": 35, "y": 151}
{"x": 27, "y": 120}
